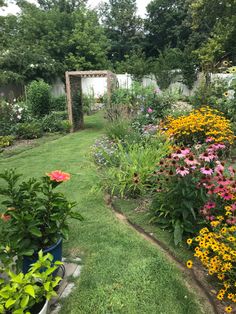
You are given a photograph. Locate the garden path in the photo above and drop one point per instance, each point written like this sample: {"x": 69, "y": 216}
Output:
{"x": 122, "y": 272}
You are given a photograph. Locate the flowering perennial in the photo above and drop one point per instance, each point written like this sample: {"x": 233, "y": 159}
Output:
{"x": 199, "y": 125}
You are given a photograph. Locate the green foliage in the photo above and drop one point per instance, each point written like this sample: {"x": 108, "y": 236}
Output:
{"x": 36, "y": 216}
{"x": 121, "y": 130}
{"x": 58, "y": 103}
{"x": 11, "y": 114}
{"x": 39, "y": 97}
{"x": 28, "y": 130}
{"x": 19, "y": 293}
{"x": 55, "y": 122}
{"x": 123, "y": 28}
{"x": 165, "y": 67}
{"x": 88, "y": 103}
{"x": 6, "y": 141}
{"x": 134, "y": 163}
{"x": 219, "y": 95}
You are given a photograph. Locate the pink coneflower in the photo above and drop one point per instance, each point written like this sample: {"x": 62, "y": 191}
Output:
{"x": 219, "y": 168}
{"x": 210, "y": 218}
{"x": 209, "y": 140}
{"x": 226, "y": 196}
{"x": 210, "y": 205}
{"x": 207, "y": 171}
{"x": 233, "y": 207}
{"x": 190, "y": 161}
{"x": 178, "y": 154}
{"x": 231, "y": 170}
{"x": 182, "y": 171}
{"x": 231, "y": 221}
{"x": 150, "y": 110}
{"x": 207, "y": 156}
{"x": 185, "y": 151}
{"x": 218, "y": 146}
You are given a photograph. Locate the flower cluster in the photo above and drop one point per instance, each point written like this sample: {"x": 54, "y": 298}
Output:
{"x": 103, "y": 151}
{"x": 198, "y": 125}
{"x": 215, "y": 247}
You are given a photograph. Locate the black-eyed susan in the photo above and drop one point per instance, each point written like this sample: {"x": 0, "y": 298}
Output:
{"x": 189, "y": 241}
{"x": 228, "y": 309}
{"x": 226, "y": 94}
{"x": 189, "y": 264}
{"x": 230, "y": 296}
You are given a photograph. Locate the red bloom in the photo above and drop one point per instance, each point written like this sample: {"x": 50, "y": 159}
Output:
{"x": 58, "y": 176}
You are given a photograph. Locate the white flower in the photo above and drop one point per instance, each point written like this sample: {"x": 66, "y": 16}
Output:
{"x": 32, "y": 65}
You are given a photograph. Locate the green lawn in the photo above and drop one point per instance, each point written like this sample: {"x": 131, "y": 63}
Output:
{"x": 122, "y": 272}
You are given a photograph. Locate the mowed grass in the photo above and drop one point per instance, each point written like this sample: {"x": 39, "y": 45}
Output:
{"x": 122, "y": 272}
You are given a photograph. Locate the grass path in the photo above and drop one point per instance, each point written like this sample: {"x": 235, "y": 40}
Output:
{"x": 122, "y": 272}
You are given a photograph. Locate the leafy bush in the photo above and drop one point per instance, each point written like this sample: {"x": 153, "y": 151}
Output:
{"x": 134, "y": 162}
{"x": 219, "y": 94}
{"x": 104, "y": 152}
{"x": 39, "y": 97}
{"x": 55, "y": 122}
{"x": 180, "y": 190}
{"x": 29, "y": 130}
{"x": 11, "y": 114}
{"x": 198, "y": 126}
{"x": 6, "y": 141}
{"x": 58, "y": 103}
{"x": 88, "y": 103}
{"x": 122, "y": 129}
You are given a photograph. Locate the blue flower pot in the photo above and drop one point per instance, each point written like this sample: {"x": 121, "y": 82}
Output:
{"x": 55, "y": 250}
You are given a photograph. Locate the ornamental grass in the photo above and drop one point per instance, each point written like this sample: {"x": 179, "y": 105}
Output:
{"x": 199, "y": 125}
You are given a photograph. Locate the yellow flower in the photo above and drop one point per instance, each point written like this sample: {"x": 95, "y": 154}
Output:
{"x": 189, "y": 241}
{"x": 230, "y": 296}
{"x": 189, "y": 264}
{"x": 228, "y": 309}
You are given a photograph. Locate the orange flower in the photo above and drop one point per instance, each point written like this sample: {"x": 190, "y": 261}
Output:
{"x": 58, "y": 176}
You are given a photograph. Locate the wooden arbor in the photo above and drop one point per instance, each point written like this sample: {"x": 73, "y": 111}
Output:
{"x": 74, "y": 94}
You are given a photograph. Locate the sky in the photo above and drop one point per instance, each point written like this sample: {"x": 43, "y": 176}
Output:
{"x": 141, "y": 4}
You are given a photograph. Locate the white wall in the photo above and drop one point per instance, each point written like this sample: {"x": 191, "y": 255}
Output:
{"x": 97, "y": 86}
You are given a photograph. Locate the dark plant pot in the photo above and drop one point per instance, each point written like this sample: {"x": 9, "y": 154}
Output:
{"x": 40, "y": 308}
{"x": 55, "y": 250}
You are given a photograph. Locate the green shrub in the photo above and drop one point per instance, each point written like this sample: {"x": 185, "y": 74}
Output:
{"x": 56, "y": 122}
{"x": 88, "y": 103}
{"x": 122, "y": 130}
{"x": 219, "y": 95}
{"x": 29, "y": 130}
{"x": 135, "y": 162}
{"x": 39, "y": 97}
{"x": 6, "y": 141}
{"x": 58, "y": 103}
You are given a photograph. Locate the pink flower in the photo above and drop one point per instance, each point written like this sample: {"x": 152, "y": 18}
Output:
{"x": 231, "y": 170}
{"x": 149, "y": 110}
{"x": 207, "y": 156}
{"x": 226, "y": 196}
{"x": 190, "y": 161}
{"x": 206, "y": 170}
{"x": 182, "y": 171}
{"x": 58, "y": 176}
{"x": 209, "y": 140}
{"x": 233, "y": 207}
{"x": 219, "y": 168}
{"x": 210, "y": 205}
{"x": 185, "y": 151}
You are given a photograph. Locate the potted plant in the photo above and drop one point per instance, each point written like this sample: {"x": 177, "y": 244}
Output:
{"x": 29, "y": 293}
{"x": 35, "y": 216}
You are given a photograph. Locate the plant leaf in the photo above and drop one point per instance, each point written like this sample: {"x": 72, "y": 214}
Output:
{"x": 30, "y": 290}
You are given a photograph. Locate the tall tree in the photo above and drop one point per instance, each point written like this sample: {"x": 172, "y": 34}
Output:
{"x": 166, "y": 26}
{"x": 122, "y": 26}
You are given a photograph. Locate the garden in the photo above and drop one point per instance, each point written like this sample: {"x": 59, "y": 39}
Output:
{"x": 121, "y": 201}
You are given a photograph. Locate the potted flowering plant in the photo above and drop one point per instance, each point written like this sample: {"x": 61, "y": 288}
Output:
{"x": 29, "y": 293}
{"x": 35, "y": 216}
